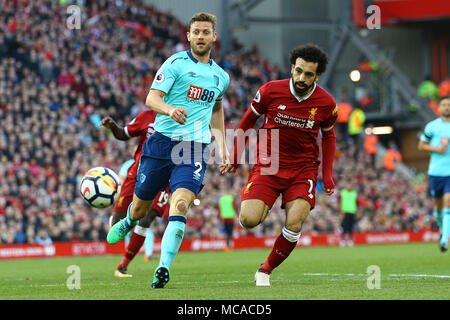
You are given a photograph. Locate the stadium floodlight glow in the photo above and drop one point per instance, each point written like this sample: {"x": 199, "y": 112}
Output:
{"x": 379, "y": 130}
{"x": 355, "y": 75}
{"x": 197, "y": 202}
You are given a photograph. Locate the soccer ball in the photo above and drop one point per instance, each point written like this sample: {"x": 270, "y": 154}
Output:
{"x": 100, "y": 187}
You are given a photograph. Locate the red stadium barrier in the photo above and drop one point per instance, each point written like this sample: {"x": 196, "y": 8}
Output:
{"x": 97, "y": 248}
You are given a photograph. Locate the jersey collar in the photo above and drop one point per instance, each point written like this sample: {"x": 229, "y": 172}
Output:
{"x": 302, "y": 98}
{"x": 195, "y": 60}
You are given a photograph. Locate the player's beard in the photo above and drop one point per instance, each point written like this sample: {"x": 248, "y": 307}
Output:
{"x": 201, "y": 53}
{"x": 299, "y": 91}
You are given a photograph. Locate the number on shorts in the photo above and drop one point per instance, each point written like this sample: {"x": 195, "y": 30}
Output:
{"x": 311, "y": 186}
{"x": 199, "y": 165}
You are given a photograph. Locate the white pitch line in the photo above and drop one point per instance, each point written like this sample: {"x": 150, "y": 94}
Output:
{"x": 333, "y": 274}
{"x": 390, "y": 275}
{"x": 235, "y": 281}
{"x": 420, "y": 275}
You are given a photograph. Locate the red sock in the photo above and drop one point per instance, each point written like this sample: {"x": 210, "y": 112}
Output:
{"x": 282, "y": 248}
{"x": 136, "y": 242}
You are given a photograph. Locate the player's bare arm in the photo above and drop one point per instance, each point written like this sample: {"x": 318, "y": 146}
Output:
{"x": 425, "y": 146}
{"x": 155, "y": 102}
{"x": 118, "y": 131}
{"x": 218, "y": 128}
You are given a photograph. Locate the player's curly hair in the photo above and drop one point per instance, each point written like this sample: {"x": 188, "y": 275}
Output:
{"x": 311, "y": 53}
{"x": 204, "y": 16}
{"x": 444, "y": 98}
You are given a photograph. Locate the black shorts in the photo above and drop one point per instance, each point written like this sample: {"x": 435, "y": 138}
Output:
{"x": 348, "y": 222}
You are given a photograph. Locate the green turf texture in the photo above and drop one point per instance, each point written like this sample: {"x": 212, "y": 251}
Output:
{"x": 408, "y": 271}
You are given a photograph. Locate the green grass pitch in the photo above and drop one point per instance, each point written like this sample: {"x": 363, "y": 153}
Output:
{"x": 407, "y": 271}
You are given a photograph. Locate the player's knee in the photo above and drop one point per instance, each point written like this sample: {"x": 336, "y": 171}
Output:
{"x": 248, "y": 221}
{"x": 294, "y": 227}
{"x": 446, "y": 202}
{"x": 181, "y": 206}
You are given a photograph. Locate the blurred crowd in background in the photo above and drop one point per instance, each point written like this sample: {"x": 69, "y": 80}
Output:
{"x": 57, "y": 84}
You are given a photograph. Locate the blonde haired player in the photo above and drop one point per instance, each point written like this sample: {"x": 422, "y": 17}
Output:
{"x": 435, "y": 139}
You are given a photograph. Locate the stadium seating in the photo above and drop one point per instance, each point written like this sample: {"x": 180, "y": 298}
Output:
{"x": 55, "y": 86}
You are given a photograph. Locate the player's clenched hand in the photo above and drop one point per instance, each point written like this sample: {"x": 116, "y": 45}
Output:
{"x": 107, "y": 122}
{"x": 224, "y": 167}
{"x": 328, "y": 187}
{"x": 328, "y": 192}
{"x": 178, "y": 114}
{"x": 227, "y": 168}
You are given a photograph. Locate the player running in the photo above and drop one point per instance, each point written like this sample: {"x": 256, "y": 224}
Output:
{"x": 435, "y": 139}
{"x": 141, "y": 126}
{"x": 187, "y": 95}
{"x": 295, "y": 110}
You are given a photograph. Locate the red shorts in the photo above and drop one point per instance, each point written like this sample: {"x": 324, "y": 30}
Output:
{"x": 290, "y": 183}
{"x": 126, "y": 197}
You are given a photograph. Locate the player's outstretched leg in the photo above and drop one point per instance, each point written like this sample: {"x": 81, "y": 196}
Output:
{"x": 121, "y": 270}
{"x": 136, "y": 210}
{"x": 253, "y": 212}
{"x": 170, "y": 244}
{"x": 173, "y": 235}
{"x": 438, "y": 215}
{"x": 133, "y": 247}
{"x": 138, "y": 237}
{"x": 121, "y": 228}
{"x": 148, "y": 245}
{"x": 282, "y": 248}
{"x": 445, "y": 232}
{"x": 296, "y": 212}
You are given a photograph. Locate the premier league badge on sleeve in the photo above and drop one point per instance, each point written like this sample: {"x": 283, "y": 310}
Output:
{"x": 159, "y": 77}
{"x": 257, "y": 97}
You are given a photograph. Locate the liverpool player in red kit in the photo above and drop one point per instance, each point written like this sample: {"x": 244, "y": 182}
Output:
{"x": 295, "y": 111}
{"x": 142, "y": 127}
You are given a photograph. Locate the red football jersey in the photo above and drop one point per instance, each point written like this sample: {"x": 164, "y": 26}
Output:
{"x": 297, "y": 118}
{"x": 141, "y": 126}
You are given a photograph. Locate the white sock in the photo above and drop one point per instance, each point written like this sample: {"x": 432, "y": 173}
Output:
{"x": 290, "y": 235}
{"x": 140, "y": 231}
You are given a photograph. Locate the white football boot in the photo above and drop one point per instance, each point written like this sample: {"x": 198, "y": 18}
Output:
{"x": 262, "y": 278}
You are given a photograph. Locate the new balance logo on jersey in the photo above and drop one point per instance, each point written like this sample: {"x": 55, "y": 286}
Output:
{"x": 282, "y": 107}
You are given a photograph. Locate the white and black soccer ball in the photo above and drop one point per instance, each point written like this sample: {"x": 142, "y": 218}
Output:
{"x": 100, "y": 187}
